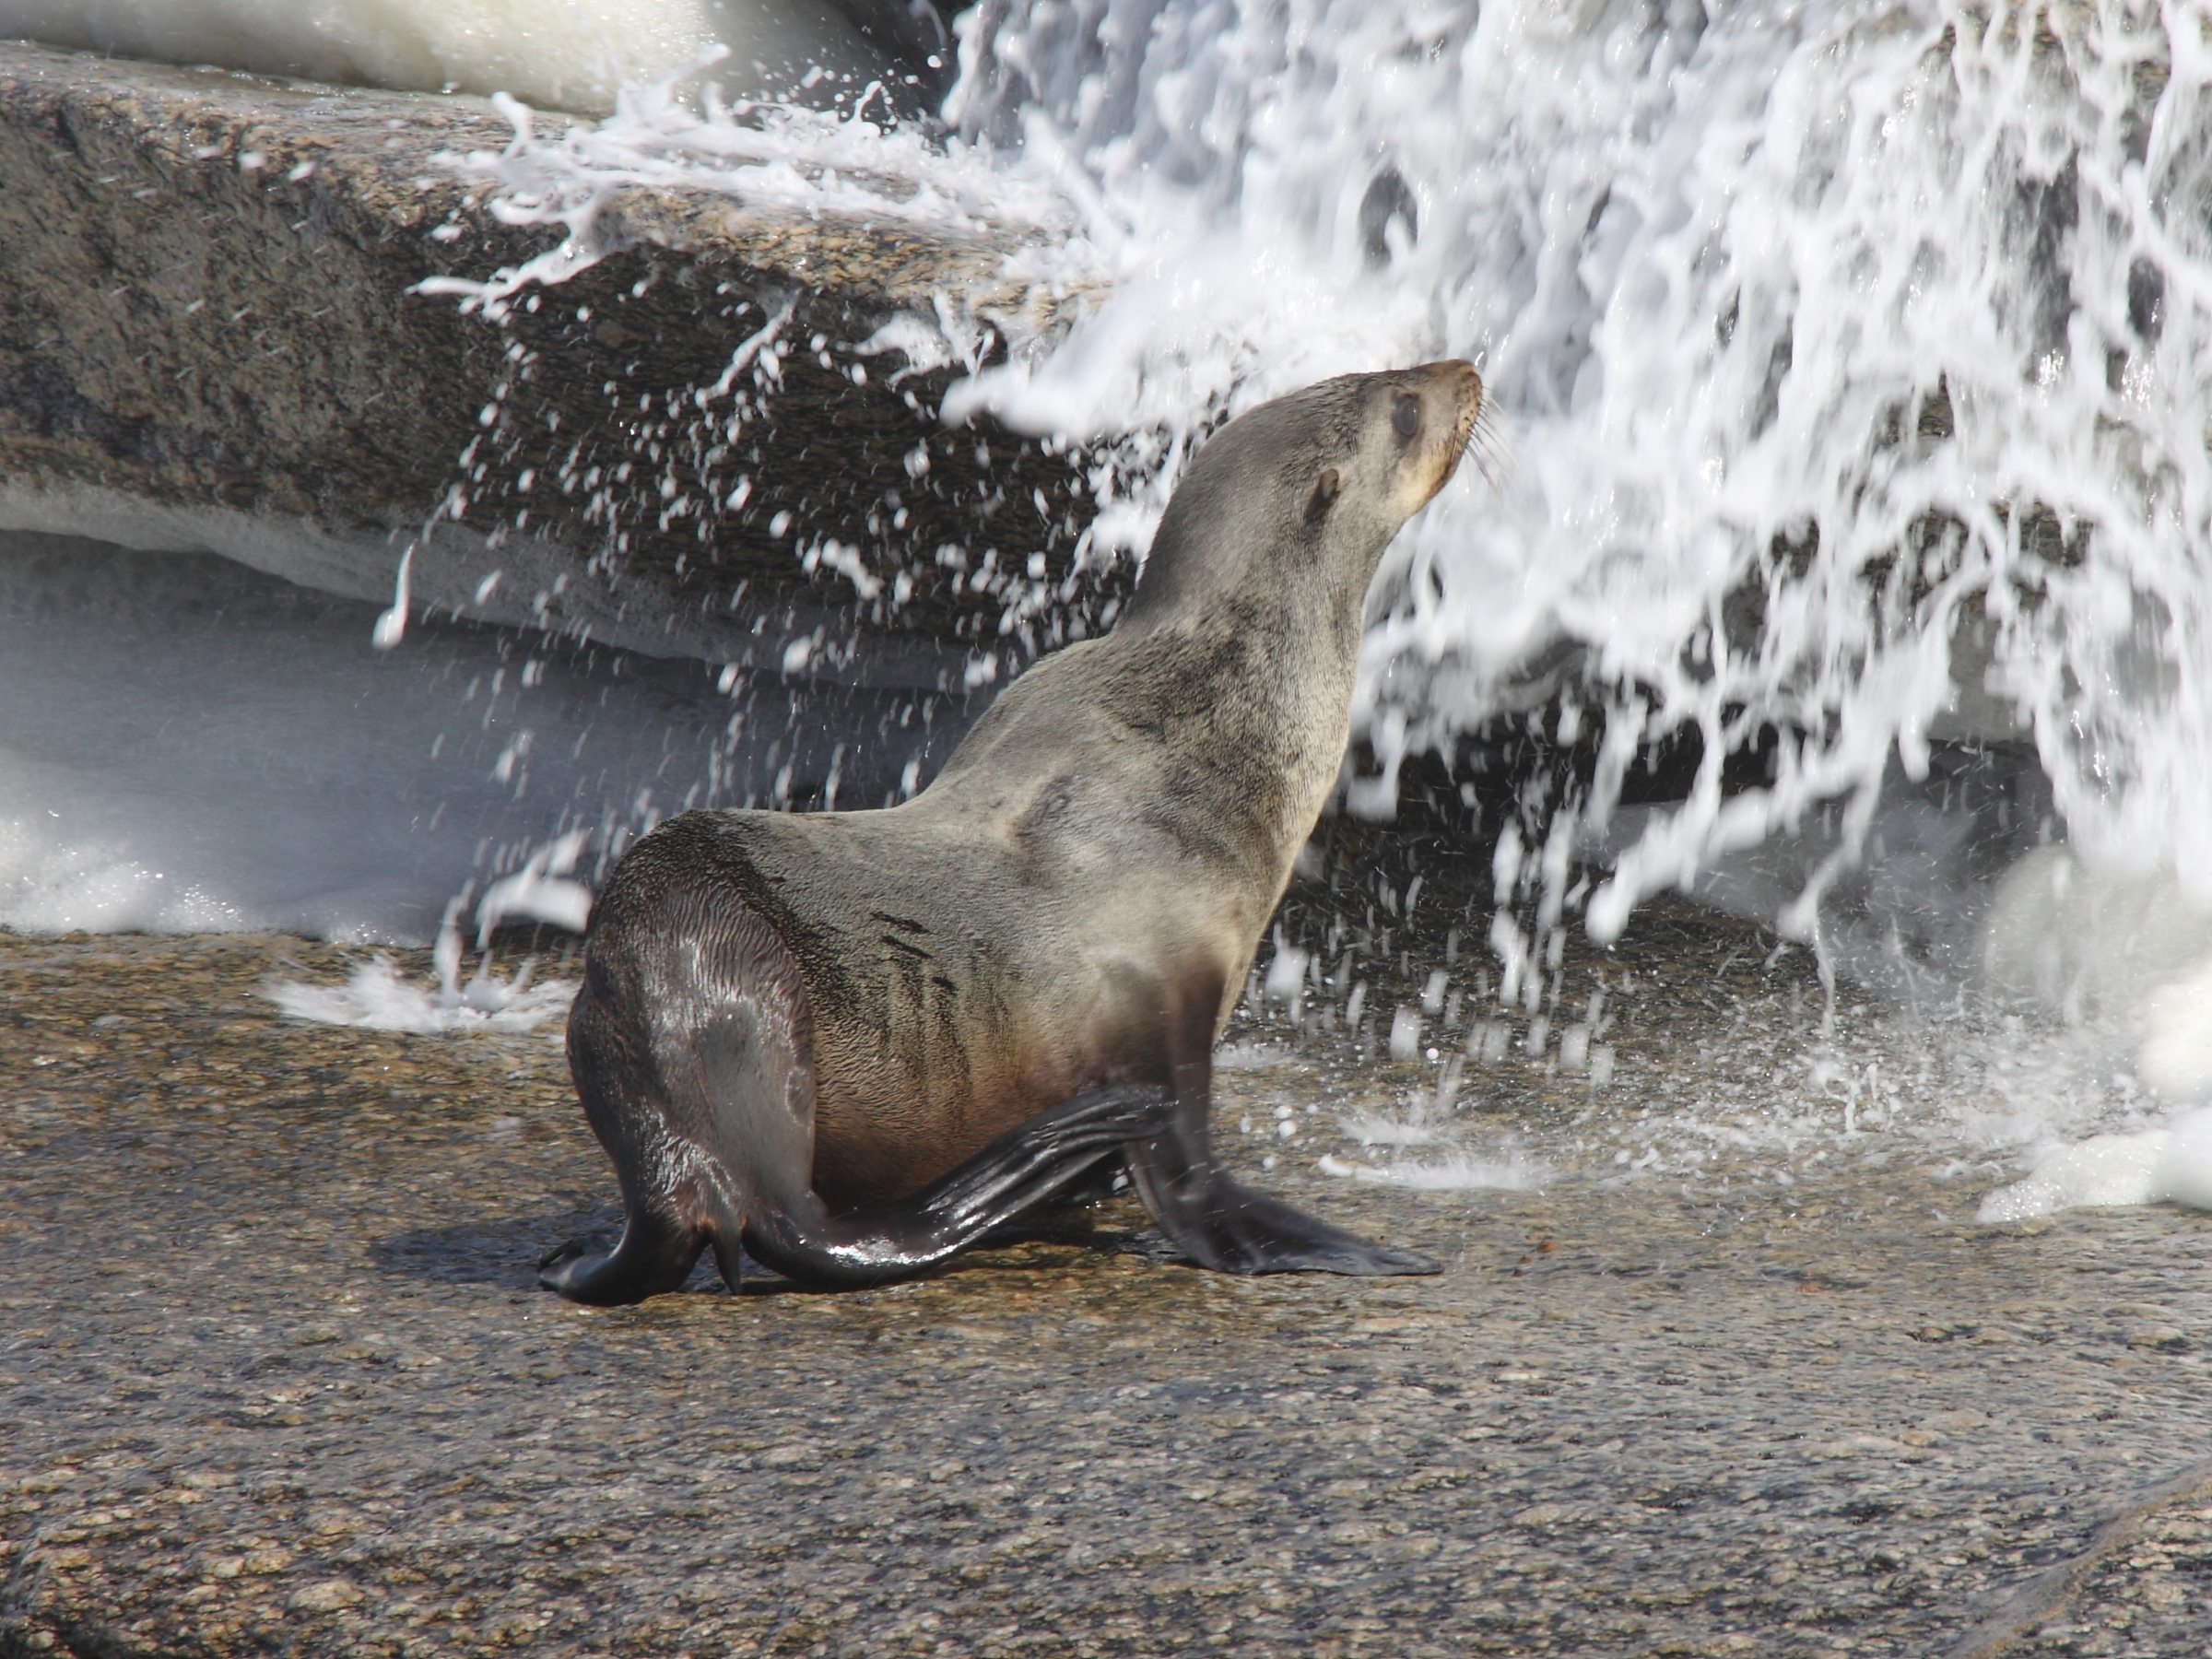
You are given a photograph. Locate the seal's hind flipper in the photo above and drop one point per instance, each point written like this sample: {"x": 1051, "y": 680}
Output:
{"x": 1220, "y": 1222}
{"x": 655, "y": 1256}
{"x": 1015, "y": 1172}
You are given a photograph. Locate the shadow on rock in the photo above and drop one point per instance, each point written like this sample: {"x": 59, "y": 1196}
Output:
{"x": 506, "y": 1250}
{"x": 502, "y": 1251}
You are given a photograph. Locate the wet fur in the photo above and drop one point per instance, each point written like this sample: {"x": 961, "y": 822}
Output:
{"x": 857, "y": 1040}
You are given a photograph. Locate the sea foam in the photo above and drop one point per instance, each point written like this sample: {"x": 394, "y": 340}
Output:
{"x": 2153, "y": 1166}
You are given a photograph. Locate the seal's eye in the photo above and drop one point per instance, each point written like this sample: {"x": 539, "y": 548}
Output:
{"x": 1405, "y": 413}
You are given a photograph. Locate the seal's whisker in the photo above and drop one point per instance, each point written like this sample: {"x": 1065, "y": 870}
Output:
{"x": 1487, "y": 448}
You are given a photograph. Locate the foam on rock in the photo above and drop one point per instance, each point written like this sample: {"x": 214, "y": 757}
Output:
{"x": 2170, "y": 1164}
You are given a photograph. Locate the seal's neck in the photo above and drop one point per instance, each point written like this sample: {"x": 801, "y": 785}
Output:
{"x": 1256, "y": 685}
{"x": 1199, "y": 580}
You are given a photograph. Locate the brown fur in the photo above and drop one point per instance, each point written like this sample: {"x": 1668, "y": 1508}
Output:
{"x": 1125, "y": 816}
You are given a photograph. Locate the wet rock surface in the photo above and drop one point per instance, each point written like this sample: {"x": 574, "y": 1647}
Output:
{"x": 274, "y": 1378}
{"x": 210, "y": 340}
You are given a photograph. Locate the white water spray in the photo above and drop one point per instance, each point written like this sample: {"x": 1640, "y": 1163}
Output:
{"x": 1852, "y": 361}
{"x": 391, "y": 626}
{"x": 1844, "y": 353}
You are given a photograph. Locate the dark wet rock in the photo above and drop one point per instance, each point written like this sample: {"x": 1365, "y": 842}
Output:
{"x": 209, "y": 341}
{"x": 272, "y": 1379}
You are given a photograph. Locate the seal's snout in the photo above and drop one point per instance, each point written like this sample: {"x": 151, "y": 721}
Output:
{"x": 1449, "y": 396}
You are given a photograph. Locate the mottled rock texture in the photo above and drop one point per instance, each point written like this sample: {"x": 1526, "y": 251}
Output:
{"x": 209, "y": 339}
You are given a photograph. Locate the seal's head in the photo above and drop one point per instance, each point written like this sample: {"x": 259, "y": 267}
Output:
{"x": 1299, "y": 497}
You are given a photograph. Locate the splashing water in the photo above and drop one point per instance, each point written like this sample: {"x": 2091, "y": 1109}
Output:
{"x": 2170, "y": 1163}
{"x": 1851, "y": 364}
{"x": 1454, "y": 1173}
{"x": 1850, "y": 361}
{"x": 1848, "y": 368}
{"x": 860, "y": 163}
{"x": 377, "y": 996}
{"x": 1839, "y": 351}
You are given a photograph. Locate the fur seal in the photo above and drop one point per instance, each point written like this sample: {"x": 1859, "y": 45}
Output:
{"x": 855, "y": 1041}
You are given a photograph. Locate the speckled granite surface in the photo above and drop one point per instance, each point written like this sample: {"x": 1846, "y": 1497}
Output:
{"x": 272, "y": 1379}
{"x": 211, "y": 338}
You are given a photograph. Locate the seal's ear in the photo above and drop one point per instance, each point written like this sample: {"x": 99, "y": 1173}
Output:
{"x": 1323, "y": 496}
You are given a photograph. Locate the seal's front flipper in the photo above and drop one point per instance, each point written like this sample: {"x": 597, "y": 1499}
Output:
{"x": 1223, "y": 1224}
{"x": 1220, "y": 1222}
{"x": 1034, "y": 1160}
{"x": 1018, "y": 1170}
